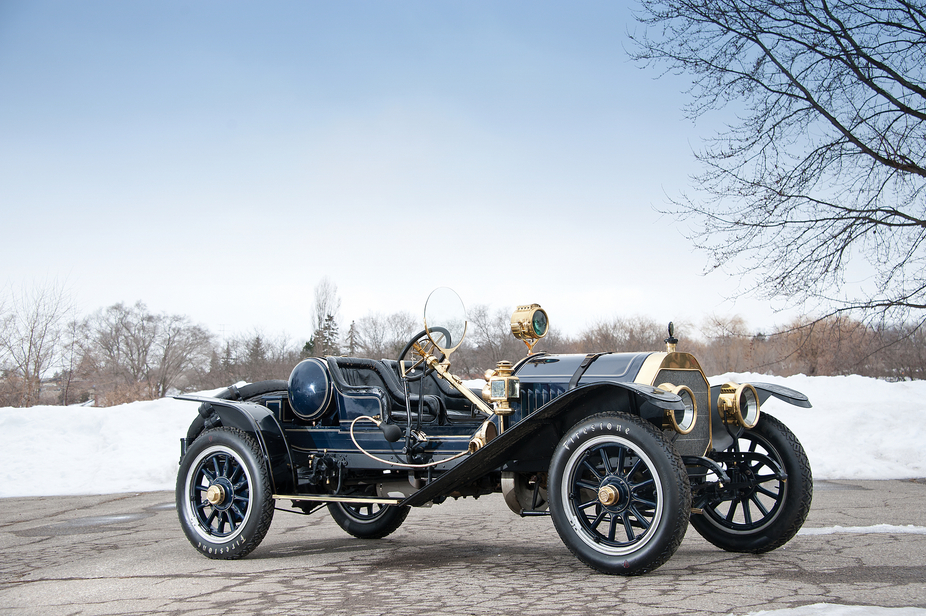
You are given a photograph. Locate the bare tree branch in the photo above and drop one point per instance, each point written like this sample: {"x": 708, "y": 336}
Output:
{"x": 826, "y": 163}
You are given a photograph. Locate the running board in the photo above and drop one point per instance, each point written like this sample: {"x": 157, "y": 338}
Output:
{"x": 334, "y": 498}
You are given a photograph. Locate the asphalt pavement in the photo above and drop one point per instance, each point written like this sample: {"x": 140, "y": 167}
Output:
{"x": 126, "y": 554}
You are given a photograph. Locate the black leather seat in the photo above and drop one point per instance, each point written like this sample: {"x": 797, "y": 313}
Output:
{"x": 357, "y": 375}
{"x": 457, "y": 409}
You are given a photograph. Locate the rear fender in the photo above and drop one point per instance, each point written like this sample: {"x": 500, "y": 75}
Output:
{"x": 260, "y": 423}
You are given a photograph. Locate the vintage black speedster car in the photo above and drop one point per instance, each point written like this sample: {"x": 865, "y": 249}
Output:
{"x": 621, "y": 450}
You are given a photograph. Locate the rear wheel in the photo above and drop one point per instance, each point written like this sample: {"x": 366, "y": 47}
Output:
{"x": 368, "y": 520}
{"x": 760, "y": 510}
{"x": 619, "y": 494}
{"x": 223, "y": 494}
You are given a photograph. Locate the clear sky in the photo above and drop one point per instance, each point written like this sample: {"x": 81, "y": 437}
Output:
{"x": 217, "y": 159}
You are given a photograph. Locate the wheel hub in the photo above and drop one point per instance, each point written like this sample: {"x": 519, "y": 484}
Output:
{"x": 608, "y": 495}
{"x": 614, "y": 494}
{"x": 215, "y": 494}
{"x": 221, "y": 494}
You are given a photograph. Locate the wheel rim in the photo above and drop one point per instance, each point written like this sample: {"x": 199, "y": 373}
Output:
{"x": 364, "y": 512}
{"x": 758, "y": 493}
{"x": 612, "y": 495}
{"x": 218, "y": 489}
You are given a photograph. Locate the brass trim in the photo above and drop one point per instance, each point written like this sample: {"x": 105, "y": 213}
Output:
{"x": 729, "y": 407}
{"x": 332, "y": 498}
{"x": 608, "y": 495}
{"x": 522, "y": 325}
{"x": 487, "y": 431}
{"x": 215, "y": 494}
{"x": 455, "y": 382}
{"x": 500, "y": 387}
{"x": 669, "y": 420}
{"x": 650, "y": 368}
{"x": 657, "y": 361}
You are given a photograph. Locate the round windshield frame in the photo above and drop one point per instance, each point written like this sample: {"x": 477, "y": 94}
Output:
{"x": 445, "y": 316}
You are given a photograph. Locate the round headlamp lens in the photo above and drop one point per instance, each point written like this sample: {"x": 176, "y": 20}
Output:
{"x": 539, "y": 323}
{"x": 685, "y": 419}
{"x": 749, "y": 407}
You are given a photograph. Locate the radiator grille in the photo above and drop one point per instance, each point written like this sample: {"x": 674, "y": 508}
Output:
{"x": 698, "y": 440}
{"x": 535, "y": 395}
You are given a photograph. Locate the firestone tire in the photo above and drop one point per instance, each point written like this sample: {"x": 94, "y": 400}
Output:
{"x": 619, "y": 494}
{"x": 368, "y": 521}
{"x": 224, "y": 497}
{"x": 765, "y": 512}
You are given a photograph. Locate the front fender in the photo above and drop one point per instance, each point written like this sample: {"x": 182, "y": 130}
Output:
{"x": 535, "y": 437}
{"x": 260, "y": 423}
{"x": 723, "y": 437}
{"x": 766, "y": 391}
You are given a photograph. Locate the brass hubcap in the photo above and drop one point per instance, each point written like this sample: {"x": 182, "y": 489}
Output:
{"x": 608, "y": 495}
{"x": 215, "y": 494}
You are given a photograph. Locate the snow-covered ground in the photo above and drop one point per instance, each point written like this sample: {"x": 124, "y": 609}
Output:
{"x": 829, "y": 609}
{"x": 859, "y": 428}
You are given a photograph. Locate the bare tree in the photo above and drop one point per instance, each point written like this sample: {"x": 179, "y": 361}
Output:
{"x": 325, "y": 338}
{"x": 29, "y": 336}
{"x": 250, "y": 358}
{"x": 729, "y": 345}
{"x": 120, "y": 340}
{"x": 179, "y": 347}
{"x": 378, "y": 335}
{"x": 825, "y": 161}
{"x": 72, "y": 346}
{"x": 488, "y": 340}
{"x": 622, "y": 334}
{"x": 134, "y": 354}
{"x": 327, "y": 302}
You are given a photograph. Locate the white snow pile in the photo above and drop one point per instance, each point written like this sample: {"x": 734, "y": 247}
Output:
{"x": 859, "y": 428}
{"x": 831, "y": 609}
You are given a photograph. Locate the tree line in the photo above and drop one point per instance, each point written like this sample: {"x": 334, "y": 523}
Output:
{"x": 127, "y": 352}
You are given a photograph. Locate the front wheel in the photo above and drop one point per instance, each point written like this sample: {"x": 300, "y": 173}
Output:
{"x": 224, "y": 498}
{"x": 619, "y": 494}
{"x": 760, "y": 510}
{"x": 368, "y": 520}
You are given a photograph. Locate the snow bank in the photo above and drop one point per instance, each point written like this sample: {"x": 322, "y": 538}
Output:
{"x": 831, "y": 609}
{"x": 85, "y": 450}
{"x": 859, "y": 428}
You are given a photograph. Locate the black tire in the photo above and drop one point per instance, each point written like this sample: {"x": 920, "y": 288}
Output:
{"x": 253, "y": 391}
{"x": 236, "y": 522}
{"x": 367, "y": 520}
{"x": 644, "y": 479}
{"x": 762, "y": 512}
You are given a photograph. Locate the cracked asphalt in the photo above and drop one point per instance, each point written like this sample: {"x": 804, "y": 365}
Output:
{"x": 126, "y": 554}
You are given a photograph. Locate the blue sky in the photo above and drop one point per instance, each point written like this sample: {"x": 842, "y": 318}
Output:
{"x": 217, "y": 159}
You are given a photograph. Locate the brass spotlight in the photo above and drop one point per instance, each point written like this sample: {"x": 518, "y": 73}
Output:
{"x": 529, "y": 324}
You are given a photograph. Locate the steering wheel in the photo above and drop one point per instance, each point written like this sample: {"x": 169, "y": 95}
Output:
{"x": 429, "y": 347}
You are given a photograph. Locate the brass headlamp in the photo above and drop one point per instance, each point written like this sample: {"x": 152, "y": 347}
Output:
{"x": 682, "y": 421}
{"x": 529, "y": 324}
{"x": 739, "y": 405}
